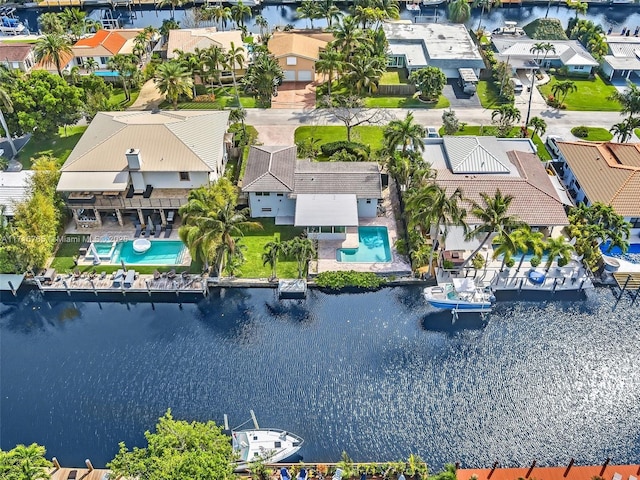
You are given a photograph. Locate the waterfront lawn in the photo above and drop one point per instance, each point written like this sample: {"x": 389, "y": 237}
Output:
{"x": 597, "y": 134}
{"x": 256, "y": 240}
{"x": 402, "y": 101}
{"x": 592, "y": 94}
{"x": 59, "y": 146}
{"x": 489, "y": 94}
{"x": 369, "y": 135}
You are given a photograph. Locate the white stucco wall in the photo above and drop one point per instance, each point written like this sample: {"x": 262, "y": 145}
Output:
{"x": 367, "y": 210}
{"x": 172, "y": 180}
{"x": 281, "y": 206}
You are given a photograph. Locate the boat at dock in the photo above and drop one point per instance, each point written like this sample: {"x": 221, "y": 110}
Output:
{"x": 10, "y": 25}
{"x": 461, "y": 294}
{"x": 268, "y": 445}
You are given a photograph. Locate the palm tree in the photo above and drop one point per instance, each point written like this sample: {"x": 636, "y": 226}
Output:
{"x": 328, "y": 10}
{"x": 230, "y": 225}
{"x": 434, "y": 206}
{"x": 234, "y": 57}
{"x": 539, "y": 126}
{"x": 563, "y": 89}
{"x": 537, "y": 48}
{"x": 308, "y": 10}
{"x": 558, "y": 247}
{"x": 364, "y": 73}
{"x": 303, "y": 251}
{"x": 629, "y": 99}
{"x": 623, "y": 130}
{"x": 221, "y": 15}
{"x": 331, "y": 60}
{"x": 580, "y": 8}
{"x": 238, "y": 13}
{"x": 273, "y": 250}
{"x": 31, "y": 461}
{"x": 173, "y": 3}
{"x": 505, "y": 116}
{"x": 126, "y": 67}
{"x": 347, "y": 35}
{"x": 389, "y": 7}
{"x": 52, "y": 48}
{"x": 90, "y": 64}
{"x": 6, "y": 104}
{"x": 485, "y": 5}
{"x": 506, "y": 247}
{"x": 173, "y": 80}
{"x": 459, "y": 11}
{"x": 526, "y": 240}
{"x": 494, "y": 219}
{"x": 193, "y": 63}
{"x": 404, "y": 133}
{"x": 262, "y": 24}
{"x": 547, "y": 47}
{"x": 212, "y": 58}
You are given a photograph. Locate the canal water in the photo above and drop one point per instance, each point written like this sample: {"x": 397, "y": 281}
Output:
{"x": 280, "y": 15}
{"x": 378, "y": 375}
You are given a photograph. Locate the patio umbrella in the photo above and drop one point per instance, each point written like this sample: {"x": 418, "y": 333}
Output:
{"x": 124, "y": 267}
{"x": 94, "y": 254}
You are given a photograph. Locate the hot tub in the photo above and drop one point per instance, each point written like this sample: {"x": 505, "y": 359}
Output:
{"x": 141, "y": 245}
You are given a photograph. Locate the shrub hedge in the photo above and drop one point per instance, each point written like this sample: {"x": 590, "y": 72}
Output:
{"x": 358, "y": 149}
{"x": 340, "y": 280}
{"x": 580, "y": 132}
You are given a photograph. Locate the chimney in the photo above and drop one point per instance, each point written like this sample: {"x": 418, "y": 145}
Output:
{"x": 134, "y": 160}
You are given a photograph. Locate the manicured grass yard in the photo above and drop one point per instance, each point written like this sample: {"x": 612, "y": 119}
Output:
{"x": 225, "y": 97}
{"x": 118, "y": 98}
{"x": 592, "y": 94}
{"x": 489, "y": 94}
{"x": 598, "y": 134}
{"x": 394, "y": 77}
{"x": 256, "y": 241}
{"x": 369, "y": 135}
{"x": 59, "y": 146}
{"x": 404, "y": 102}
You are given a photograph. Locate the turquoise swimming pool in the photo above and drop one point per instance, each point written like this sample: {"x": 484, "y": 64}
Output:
{"x": 162, "y": 252}
{"x": 373, "y": 247}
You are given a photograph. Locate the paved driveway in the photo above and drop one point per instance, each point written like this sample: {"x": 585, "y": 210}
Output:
{"x": 295, "y": 95}
{"x": 458, "y": 98}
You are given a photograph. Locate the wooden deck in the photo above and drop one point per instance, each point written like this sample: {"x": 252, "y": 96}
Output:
{"x": 553, "y": 473}
{"x": 82, "y": 474}
{"x": 630, "y": 280}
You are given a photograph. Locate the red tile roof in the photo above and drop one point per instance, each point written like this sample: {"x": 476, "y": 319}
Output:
{"x": 14, "y": 52}
{"x": 112, "y": 41}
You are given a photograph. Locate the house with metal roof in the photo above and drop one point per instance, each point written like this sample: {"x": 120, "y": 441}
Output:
{"x": 520, "y": 53}
{"x": 607, "y": 173}
{"x": 323, "y": 197}
{"x": 142, "y": 162}
{"x": 484, "y": 165}
{"x": 14, "y": 188}
{"x": 623, "y": 59}
{"x": 446, "y": 46}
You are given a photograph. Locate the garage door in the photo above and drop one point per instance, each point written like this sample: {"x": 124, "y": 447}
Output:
{"x": 450, "y": 72}
{"x": 305, "y": 75}
{"x": 289, "y": 75}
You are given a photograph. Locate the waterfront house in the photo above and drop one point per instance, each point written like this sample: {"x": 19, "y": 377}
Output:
{"x": 66, "y": 62}
{"x": 568, "y": 53}
{"x": 142, "y": 163}
{"x": 622, "y": 61}
{"x": 102, "y": 46}
{"x": 443, "y": 45}
{"x": 486, "y": 164}
{"x": 324, "y": 197}
{"x": 607, "y": 173}
{"x": 17, "y": 56}
{"x": 297, "y": 53}
{"x": 14, "y": 188}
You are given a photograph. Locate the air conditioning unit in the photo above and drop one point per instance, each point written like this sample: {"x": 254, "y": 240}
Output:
{"x": 535, "y": 229}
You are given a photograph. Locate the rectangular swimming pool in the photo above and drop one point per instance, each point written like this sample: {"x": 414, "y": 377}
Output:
{"x": 162, "y": 252}
{"x": 373, "y": 247}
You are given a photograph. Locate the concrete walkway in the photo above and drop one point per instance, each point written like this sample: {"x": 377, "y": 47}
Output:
{"x": 149, "y": 97}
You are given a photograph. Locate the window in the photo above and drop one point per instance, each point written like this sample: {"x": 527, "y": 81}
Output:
{"x": 339, "y": 229}
{"x": 184, "y": 176}
{"x": 103, "y": 60}
{"x": 635, "y": 222}
{"x": 280, "y": 194}
{"x": 578, "y": 67}
{"x": 292, "y": 61}
{"x": 368, "y": 200}
{"x": 326, "y": 230}
{"x": 266, "y": 209}
{"x": 262, "y": 194}
{"x": 79, "y": 61}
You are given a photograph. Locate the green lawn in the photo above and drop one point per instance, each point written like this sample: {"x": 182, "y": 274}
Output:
{"x": 59, "y": 146}
{"x": 489, "y": 94}
{"x": 64, "y": 260}
{"x": 403, "y": 102}
{"x": 369, "y": 135}
{"x": 477, "y": 130}
{"x": 637, "y": 132}
{"x": 118, "y": 98}
{"x": 256, "y": 241}
{"x": 597, "y": 134}
{"x": 394, "y": 77}
{"x": 225, "y": 97}
{"x": 591, "y": 95}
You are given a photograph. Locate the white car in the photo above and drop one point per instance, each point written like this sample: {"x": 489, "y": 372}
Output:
{"x": 432, "y": 132}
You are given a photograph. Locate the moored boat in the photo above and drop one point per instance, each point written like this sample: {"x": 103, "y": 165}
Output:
{"x": 461, "y": 294}
{"x": 9, "y": 24}
{"x": 269, "y": 445}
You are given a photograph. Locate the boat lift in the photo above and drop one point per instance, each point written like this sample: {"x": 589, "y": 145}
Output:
{"x": 253, "y": 418}
{"x": 482, "y": 311}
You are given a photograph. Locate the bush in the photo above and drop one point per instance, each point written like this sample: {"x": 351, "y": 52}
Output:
{"x": 340, "y": 280}
{"x": 358, "y": 149}
{"x": 478, "y": 261}
{"x": 510, "y": 262}
{"x": 580, "y": 132}
{"x": 535, "y": 261}
{"x": 208, "y": 98}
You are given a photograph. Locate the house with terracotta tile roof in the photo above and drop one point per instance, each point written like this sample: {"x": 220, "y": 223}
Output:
{"x": 608, "y": 173}
{"x": 17, "y": 56}
{"x": 142, "y": 163}
{"x": 102, "y": 46}
{"x": 480, "y": 165}
{"x": 297, "y": 53}
{"x": 66, "y": 62}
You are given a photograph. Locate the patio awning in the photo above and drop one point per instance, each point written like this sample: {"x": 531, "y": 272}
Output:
{"x": 455, "y": 240}
{"x": 10, "y": 281}
{"x": 326, "y": 210}
{"x": 93, "y": 181}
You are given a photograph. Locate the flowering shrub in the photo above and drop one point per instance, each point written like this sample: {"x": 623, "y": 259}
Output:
{"x": 209, "y": 98}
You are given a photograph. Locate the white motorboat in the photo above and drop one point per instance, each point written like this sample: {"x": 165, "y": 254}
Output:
{"x": 462, "y": 294}
{"x": 509, "y": 29}
{"x": 414, "y": 7}
{"x": 269, "y": 445}
{"x": 9, "y": 24}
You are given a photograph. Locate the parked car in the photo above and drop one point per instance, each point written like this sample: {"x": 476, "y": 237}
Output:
{"x": 432, "y": 132}
{"x": 552, "y": 145}
{"x": 517, "y": 85}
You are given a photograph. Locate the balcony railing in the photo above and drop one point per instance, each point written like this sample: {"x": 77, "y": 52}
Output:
{"x": 120, "y": 202}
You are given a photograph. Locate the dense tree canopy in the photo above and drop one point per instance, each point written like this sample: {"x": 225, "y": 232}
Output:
{"x": 43, "y": 102}
{"x": 24, "y": 463}
{"x": 177, "y": 450}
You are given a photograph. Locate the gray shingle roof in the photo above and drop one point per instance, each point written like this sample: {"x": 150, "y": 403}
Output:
{"x": 270, "y": 169}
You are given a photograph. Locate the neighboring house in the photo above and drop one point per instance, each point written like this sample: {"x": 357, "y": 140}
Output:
{"x": 66, "y": 62}
{"x": 568, "y": 53}
{"x": 102, "y": 46}
{"x": 142, "y": 163}
{"x": 623, "y": 59}
{"x": 323, "y": 197}
{"x": 14, "y": 188}
{"x": 608, "y": 173}
{"x": 479, "y": 165}
{"x": 444, "y": 45}
{"x": 17, "y": 56}
{"x": 297, "y": 53}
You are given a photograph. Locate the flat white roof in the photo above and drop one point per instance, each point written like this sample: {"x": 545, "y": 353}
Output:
{"x": 93, "y": 181}
{"x": 14, "y": 188}
{"x": 326, "y": 210}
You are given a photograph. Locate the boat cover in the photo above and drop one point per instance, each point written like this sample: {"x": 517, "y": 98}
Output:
{"x": 464, "y": 285}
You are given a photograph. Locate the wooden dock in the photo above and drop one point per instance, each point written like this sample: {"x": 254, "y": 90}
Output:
{"x": 81, "y": 474}
{"x": 568, "y": 472}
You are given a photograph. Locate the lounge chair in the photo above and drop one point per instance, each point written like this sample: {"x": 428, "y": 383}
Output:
{"x": 156, "y": 275}
{"x": 284, "y": 474}
{"x": 617, "y": 476}
{"x": 72, "y": 475}
{"x": 129, "y": 278}
{"x": 302, "y": 474}
{"x": 138, "y": 231}
{"x": 170, "y": 216}
{"x": 148, "y": 231}
{"x": 172, "y": 273}
{"x": 338, "y": 474}
{"x": 158, "y": 230}
{"x": 167, "y": 231}
{"x": 103, "y": 275}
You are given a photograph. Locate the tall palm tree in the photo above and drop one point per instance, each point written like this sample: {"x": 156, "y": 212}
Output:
{"x": 222, "y": 15}
{"x": 580, "y": 8}
{"x": 404, "y": 133}
{"x": 303, "y": 251}
{"x": 623, "y": 130}
{"x": 485, "y": 5}
{"x": 31, "y": 462}
{"x": 505, "y": 116}
{"x": 193, "y": 63}
{"x": 172, "y": 3}
{"x": 212, "y": 59}
{"x": 234, "y": 57}
{"x": 494, "y": 219}
{"x": 506, "y": 247}
{"x": 348, "y": 36}
{"x": 238, "y": 13}
{"x": 364, "y": 73}
{"x": 328, "y": 10}
{"x": 390, "y": 8}
{"x": 459, "y": 11}
{"x": 562, "y": 89}
{"x": 526, "y": 240}
{"x": 331, "y": 60}
{"x": 547, "y": 47}
{"x": 6, "y": 104}
{"x": 558, "y": 248}
{"x": 308, "y": 10}
{"x": 90, "y": 64}
{"x": 440, "y": 210}
{"x": 173, "y": 80}
{"x": 539, "y": 126}
{"x": 126, "y": 67}
{"x": 629, "y": 99}
{"x": 273, "y": 250}
{"x": 263, "y": 25}
{"x": 51, "y": 48}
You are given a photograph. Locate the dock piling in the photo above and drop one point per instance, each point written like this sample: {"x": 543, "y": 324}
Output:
{"x": 89, "y": 465}
{"x": 493, "y": 469}
{"x": 93, "y": 285}
{"x": 66, "y": 287}
{"x": 566, "y": 472}
{"x": 604, "y": 466}
{"x": 55, "y": 462}
{"x": 528, "y": 474}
